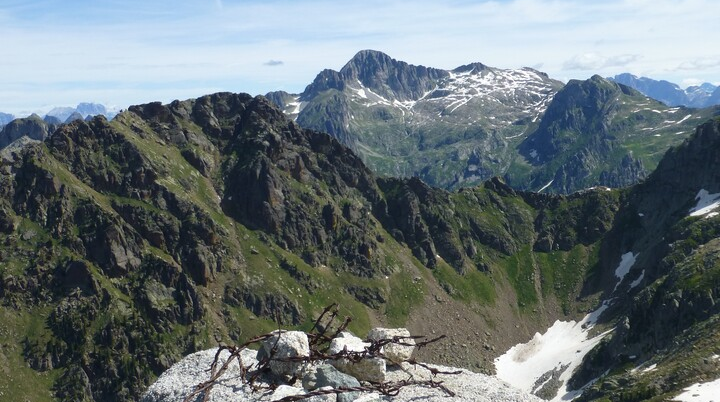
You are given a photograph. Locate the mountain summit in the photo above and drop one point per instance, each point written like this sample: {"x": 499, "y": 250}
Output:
{"x": 457, "y": 128}
{"x": 379, "y": 73}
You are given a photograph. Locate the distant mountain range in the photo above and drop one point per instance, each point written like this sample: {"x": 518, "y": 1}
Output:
{"x": 82, "y": 110}
{"x": 36, "y": 128}
{"x": 671, "y": 94}
{"x": 457, "y": 128}
{"x": 67, "y": 114}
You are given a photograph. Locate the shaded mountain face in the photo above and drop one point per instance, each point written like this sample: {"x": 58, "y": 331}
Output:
{"x": 667, "y": 321}
{"x": 129, "y": 243}
{"x": 33, "y": 128}
{"x": 669, "y": 93}
{"x": 597, "y": 132}
{"x": 458, "y": 128}
{"x": 5, "y": 118}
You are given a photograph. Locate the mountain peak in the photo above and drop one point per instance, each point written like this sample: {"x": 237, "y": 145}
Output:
{"x": 472, "y": 67}
{"x": 369, "y": 54}
{"x": 385, "y": 76}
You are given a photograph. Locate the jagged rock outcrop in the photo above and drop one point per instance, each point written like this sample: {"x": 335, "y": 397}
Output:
{"x": 384, "y": 75}
{"x": 32, "y": 127}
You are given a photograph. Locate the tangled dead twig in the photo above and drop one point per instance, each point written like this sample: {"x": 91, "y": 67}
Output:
{"x": 319, "y": 342}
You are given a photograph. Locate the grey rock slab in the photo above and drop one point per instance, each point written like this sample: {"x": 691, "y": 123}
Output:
{"x": 394, "y": 352}
{"x": 368, "y": 369}
{"x": 179, "y": 380}
{"x": 285, "y": 344}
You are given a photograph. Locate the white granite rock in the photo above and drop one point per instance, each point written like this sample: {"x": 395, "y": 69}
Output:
{"x": 286, "y": 344}
{"x": 394, "y": 352}
{"x": 179, "y": 380}
{"x": 368, "y": 369}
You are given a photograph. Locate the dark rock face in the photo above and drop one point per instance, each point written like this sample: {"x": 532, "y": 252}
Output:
{"x": 5, "y": 118}
{"x": 575, "y": 145}
{"x": 580, "y": 107}
{"x": 32, "y": 127}
{"x": 269, "y": 305}
{"x": 381, "y": 73}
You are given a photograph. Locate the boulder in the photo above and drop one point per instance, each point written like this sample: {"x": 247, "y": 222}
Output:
{"x": 284, "y": 344}
{"x": 393, "y": 352}
{"x": 370, "y": 369}
{"x": 327, "y": 376}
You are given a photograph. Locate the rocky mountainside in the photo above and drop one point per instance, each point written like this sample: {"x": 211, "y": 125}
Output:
{"x": 667, "y": 314}
{"x": 458, "y": 128}
{"x": 439, "y": 125}
{"x": 671, "y": 94}
{"x": 33, "y": 128}
{"x": 127, "y": 244}
{"x": 596, "y": 132}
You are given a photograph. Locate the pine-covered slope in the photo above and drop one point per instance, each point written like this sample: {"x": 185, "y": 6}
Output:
{"x": 128, "y": 244}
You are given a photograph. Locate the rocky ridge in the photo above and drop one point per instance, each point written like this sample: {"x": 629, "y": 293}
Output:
{"x": 33, "y": 128}
{"x": 127, "y": 244}
{"x": 457, "y": 128}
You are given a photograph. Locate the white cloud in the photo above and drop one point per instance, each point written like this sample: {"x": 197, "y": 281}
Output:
{"x": 595, "y": 62}
{"x": 150, "y": 47}
{"x": 700, "y": 64}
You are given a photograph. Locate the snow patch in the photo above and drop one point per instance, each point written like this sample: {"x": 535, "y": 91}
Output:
{"x": 700, "y": 392}
{"x": 557, "y": 352}
{"x": 626, "y": 262}
{"x": 650, "y": 368}
{"x": 546, "y": 186}
{"x": 644, "y": 370}
{"x": 296, "y": 106}
{"x": 637, "y": 281}
{"x": 684, "y": 118}
{"x": 706, "y": 203}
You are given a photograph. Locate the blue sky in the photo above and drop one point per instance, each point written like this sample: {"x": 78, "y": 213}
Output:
{"x": 57, "y": 53}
